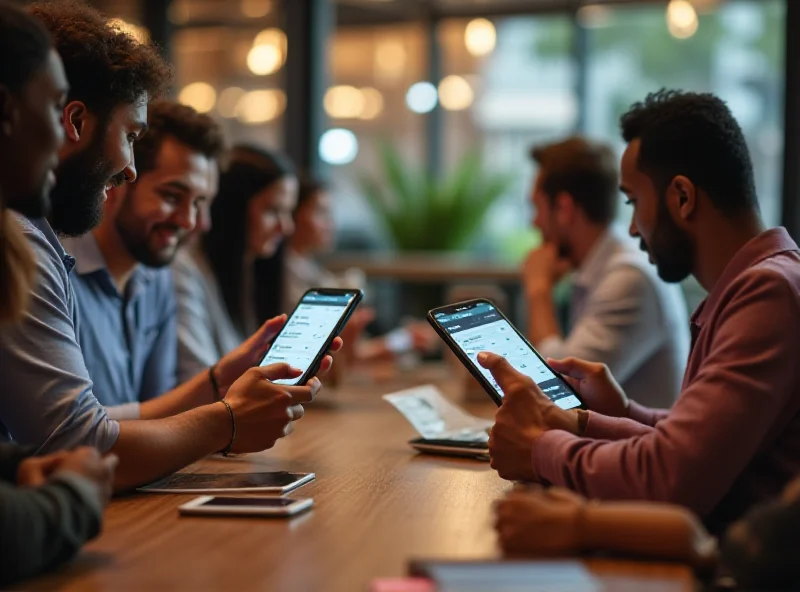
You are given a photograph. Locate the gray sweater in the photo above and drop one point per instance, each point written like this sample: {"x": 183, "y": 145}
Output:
{"x": 45, "y": 526}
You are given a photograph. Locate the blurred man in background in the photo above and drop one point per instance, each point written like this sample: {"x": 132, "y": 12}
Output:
{"x": 621, "y": 313}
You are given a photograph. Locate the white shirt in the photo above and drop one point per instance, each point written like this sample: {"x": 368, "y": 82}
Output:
{"x": 623, "y": 315}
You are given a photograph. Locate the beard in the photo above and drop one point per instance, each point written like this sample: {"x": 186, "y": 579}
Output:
{"x": 138, "y": 239}
{"x": 78, "y": 197}
{"x": 671, "y": 248}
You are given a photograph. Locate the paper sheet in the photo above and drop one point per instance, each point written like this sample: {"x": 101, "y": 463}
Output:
{"x": 434, "y": 417}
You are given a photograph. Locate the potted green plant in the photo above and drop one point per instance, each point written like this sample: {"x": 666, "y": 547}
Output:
{"x": 423, "y": 213}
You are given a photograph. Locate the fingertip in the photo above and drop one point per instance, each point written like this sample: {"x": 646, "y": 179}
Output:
{"x": 483, "y": 358}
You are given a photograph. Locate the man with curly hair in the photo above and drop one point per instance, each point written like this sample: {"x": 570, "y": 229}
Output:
{"x": 732, "y": 439}
{"x": 125, "y": 294}
{"x": 50, "y": 402}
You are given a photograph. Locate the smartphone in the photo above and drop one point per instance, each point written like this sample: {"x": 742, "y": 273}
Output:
{"x": 471, "y": 327}
{"x": 448, "y": 447}
{"x": 245, "y": 506}
{"x": 311, "y": 328}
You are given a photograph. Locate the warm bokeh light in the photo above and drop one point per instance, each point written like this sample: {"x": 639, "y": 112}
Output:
{"x": 455, "y": 93}
{"x": 391, "y": 58}
{"x": 260, "y": 106}
{"x": 480, "y": 37}
{"x": 338, "y": 146}
{"x": 274, "y": 37}
{"x": 256, "y": 8}
{"x": 228, "y": 101}
{"x": 264, "y": 59}
{"x": 682, "y": 20}
{"x": 199, "y": 95}
{"x": 141, "y": 34}
{"x": 422, "y": 97}
{"x": 344, "y": 102}
{"x": 373, "y": 103}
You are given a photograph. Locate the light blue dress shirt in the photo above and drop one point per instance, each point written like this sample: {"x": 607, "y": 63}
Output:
{"x": 128, "y": 340}
{"x": 623, "y": 315}
{"x": 47, "y": 398}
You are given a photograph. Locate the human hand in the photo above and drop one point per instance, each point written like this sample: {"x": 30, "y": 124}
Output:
{"x": 595, "y": 385}
{"x": 89, "y": 464}
{"x": 525, "y": 414}
{"x": 36, "y": 470}
{"x": 542, "y": 269}
{"x": 263, "y": 411}
{"x": 249, "y": 353}
{"x": 538, "y": 521}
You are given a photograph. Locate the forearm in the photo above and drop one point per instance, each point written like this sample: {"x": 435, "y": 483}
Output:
{"x": 193, "y": 393}
{"x": 542, "y": 318}
{"x": 651, "y": 530}
{"x": 149, "y": 450}
{"x": 44, "y": 527}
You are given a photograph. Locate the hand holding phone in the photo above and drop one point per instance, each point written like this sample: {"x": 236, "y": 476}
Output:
{"x": 310, "y": 330}
{"x": 471, "y": 327}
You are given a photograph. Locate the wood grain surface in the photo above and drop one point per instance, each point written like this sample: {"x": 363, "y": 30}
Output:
{"x": 377, "y": 504}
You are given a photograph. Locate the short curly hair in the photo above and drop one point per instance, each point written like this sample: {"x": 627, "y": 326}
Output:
{"x": 695, "y": 135}
{"x": 168, "y": 118}
{"x": 105, "y": 66}
{"x": 24, "y": 44}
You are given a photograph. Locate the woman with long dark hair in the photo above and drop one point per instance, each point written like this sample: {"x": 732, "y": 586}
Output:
{"x": 230, "y": 280}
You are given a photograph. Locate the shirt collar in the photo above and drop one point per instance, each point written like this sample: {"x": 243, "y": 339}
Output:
{"x": 44, "y": 226}
{"x": 592, "y": 269}
{"x": 89, "y": 259}
{"x": 767, "y": 244}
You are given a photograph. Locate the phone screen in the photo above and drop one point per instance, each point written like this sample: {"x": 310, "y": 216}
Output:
{"x": 481, "y": 327}
{"x": 250, "y": 502}
{"x": 307, "y": 331}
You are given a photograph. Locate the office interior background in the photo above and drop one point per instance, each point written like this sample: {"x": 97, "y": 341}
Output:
{"x": 420, "y": 113}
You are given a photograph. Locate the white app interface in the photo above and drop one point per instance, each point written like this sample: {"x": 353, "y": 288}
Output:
{"x": 482, "y": 329}
{"x": 304, "y": 334}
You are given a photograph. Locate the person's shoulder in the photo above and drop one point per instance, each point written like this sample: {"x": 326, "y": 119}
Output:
{"x": 49, "y": 262}
{"x": 777, "y": 276}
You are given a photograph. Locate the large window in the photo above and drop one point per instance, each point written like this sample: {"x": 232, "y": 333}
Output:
{"x": 735, "y": 51}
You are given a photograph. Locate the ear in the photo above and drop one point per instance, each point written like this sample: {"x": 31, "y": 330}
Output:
{"x": 8, "y": 112}
{"x": 682, "y": 196}
{"x": 564, "y": 208}
{"x": 75, "y": 119}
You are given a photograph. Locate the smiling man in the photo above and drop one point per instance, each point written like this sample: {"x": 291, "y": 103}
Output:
{"x": 732, "y": 439}
{"x": 49, "y": 400}
{"x": 125, "y": 294}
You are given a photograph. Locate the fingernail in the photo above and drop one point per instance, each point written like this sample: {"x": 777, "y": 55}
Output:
{"x": 482, "y": 357}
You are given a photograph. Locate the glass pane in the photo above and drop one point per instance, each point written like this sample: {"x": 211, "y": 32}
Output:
{"x": 372, "y": 68}
{"x": 524, "y": 94}
{"x": 735, "y": 52}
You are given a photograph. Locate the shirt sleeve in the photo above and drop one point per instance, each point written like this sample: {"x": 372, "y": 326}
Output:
{"x": 161, "y": 368}
{"x": 47, "y": 398}
{"x": 43, "y": 527}
{"x": 620, "y": 327}
{"x": 197, "y": 349}
{"x": 732, "y": 406}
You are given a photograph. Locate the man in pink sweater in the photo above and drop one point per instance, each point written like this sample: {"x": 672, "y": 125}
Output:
{"x": 733, "y": 436}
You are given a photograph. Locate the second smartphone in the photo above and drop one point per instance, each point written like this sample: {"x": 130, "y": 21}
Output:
{"x": 307, "y": 335}
{"x": 468, "y": 328}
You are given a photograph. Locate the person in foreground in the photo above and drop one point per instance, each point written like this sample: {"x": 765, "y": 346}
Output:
{"x": 49, "y": 506}
{"x": 123, "y": 285}
{"x": 759, "y": 551}
{"x": 50, "y": 403}
{"x": 621, "y": 313}
{"x": 732, "y": 439}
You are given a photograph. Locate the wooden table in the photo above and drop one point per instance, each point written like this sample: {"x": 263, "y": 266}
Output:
{"x": 377, "y": 504}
